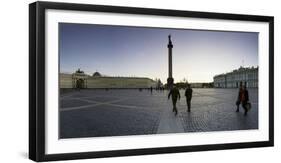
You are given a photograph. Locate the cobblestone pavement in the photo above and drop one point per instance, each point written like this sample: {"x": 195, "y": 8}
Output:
{"x": 91, "y": 113}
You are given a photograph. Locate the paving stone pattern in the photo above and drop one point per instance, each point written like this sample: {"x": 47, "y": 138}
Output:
{"x": 94, "y": 113}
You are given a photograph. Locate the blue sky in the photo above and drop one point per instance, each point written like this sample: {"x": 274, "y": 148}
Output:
{"x": 135, "y": 51}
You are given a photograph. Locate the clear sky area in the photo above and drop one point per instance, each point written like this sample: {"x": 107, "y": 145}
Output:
{"x": 142, "y": 52}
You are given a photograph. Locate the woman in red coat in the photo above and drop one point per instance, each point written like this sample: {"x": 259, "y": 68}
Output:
{"x": 245, "y": 99}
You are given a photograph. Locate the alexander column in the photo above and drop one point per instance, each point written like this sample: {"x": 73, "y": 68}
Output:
{"x": 170, "y": 80}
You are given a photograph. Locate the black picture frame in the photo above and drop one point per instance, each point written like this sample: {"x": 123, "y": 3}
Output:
{"x": 37, "y": 37}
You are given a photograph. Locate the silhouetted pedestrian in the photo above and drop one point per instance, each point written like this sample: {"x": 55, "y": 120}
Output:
{"x": 188, "y": 95}
{"x": 151, "y": 89}
{"x": 245, "y": 100}
{"x": 239, "y": 98}
{"x": 175, "y": 96}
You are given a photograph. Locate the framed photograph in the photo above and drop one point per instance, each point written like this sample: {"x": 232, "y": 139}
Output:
{"x": 110, "y": 81}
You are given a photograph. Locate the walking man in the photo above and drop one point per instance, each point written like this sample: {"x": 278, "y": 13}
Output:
{"x": 188, "y": 95}
{"x": 175, "y": 93}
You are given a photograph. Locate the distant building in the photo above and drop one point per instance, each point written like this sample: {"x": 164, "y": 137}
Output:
{"x": 246, "y": 75}
{"x": 81, "y": 80}
{"x": 196, "y": 85}
{"x": 201, "y": 85}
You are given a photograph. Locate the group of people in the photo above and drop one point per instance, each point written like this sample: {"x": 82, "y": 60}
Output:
{"x": 243, "y": 98}
{"x": 175, "y": 93}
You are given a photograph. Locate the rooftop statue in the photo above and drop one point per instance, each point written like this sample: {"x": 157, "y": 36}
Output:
{"x": 79, "y": 71}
